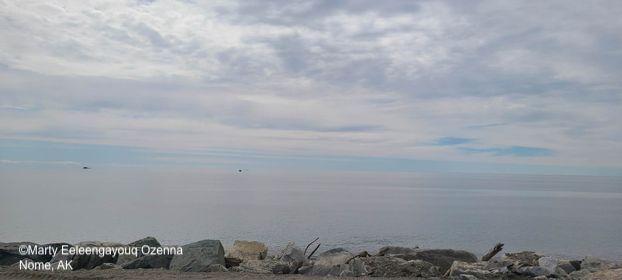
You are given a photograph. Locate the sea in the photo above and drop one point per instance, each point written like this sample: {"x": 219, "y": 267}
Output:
{"x": 568, "y": 216}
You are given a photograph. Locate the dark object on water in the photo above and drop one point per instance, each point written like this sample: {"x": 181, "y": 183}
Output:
{"x": 239, "y": 170}
{"x": 85, "y": 167}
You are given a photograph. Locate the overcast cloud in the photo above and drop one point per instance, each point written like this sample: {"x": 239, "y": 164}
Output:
{"x": 521, "y": 82}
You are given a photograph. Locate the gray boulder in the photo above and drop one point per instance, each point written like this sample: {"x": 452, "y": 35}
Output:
{"x": 384, "y": 266}
{"x": 265, "y": 266}
{"x": 532, "y": 271}
{"x": 333, "y": 257}
{"x": 216, "y": 268}
{"x": 9, "y": 253}
{"x": 149, "y": 241}
{"x": 567, "y": 266}
{"x": 443, "y": 258}
{"x": 479, "y": 270}
{"x": 593, "y": 264}
{"x": 524, "y": 258}
{"x": 291, "y": 254}
{"x": 248, "y": 250}
{"x": 149, "y": 261}
{"x": 395, "y": 250}
{"x": 93, "y": 260}
{"x": 198, "y": 256}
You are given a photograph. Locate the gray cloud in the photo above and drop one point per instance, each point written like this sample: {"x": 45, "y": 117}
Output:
{"x": 389, "y": 76}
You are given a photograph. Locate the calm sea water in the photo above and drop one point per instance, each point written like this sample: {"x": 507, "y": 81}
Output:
{"x": 561, "y": 215}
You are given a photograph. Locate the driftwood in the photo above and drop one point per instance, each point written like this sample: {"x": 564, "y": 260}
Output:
{"x": 313, "y": 252}
{"x": 493, "y": 251}
{"x": 307, "y": 248}
{"x": 363, "y": 254}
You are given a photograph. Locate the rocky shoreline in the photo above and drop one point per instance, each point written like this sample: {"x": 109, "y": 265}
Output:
{"x": 251, "y": 259}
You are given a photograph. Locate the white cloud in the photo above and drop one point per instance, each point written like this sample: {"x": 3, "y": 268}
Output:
{"x": 316, "y": 77}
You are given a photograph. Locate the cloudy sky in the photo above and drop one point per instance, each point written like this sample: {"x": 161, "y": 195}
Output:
{"x": 507, "y": 86}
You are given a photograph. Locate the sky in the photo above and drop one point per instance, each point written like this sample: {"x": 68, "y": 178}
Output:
{"x": 461, "y": 86}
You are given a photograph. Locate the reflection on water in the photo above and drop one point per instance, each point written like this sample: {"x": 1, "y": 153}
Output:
{"x": 569, "y": 215}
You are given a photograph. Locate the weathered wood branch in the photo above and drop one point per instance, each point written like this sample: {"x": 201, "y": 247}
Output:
{"x": 493, "y": 251}
{"x": 313, "y": 252}
{"x": 306, "y": 248}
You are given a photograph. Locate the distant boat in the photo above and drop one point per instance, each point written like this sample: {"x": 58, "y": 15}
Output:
{"x": 85, "y": 167}
{"x": 239, "y": 170}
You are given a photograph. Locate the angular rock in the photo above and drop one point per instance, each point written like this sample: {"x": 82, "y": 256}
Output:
{"x": 532, "y": 271}
{"x": 198, "y": 256}
{"x": 524, "y": 258}
{"x": 248, "y": 250}
{"x": 549, "y": 263}
{"x": 108, "y": 266}
{"x": 592, "y": 264}
{"x": 149, "y": 261}
{"x": 443, "y": 258}
{"x": 93, "y": 260}
{"x": 395, "y": 250}
{"x": 479, "y": 270}
{"x": 333, "y": 257}
{"x": 231, "y": 262}
{"x": 606, "y": 274}
{"x": 9, "y": 253}
{"x": 149, "y": 241}
{"x": 291, "y": 254}
{"x": 567, "y": 266}
{"x": 384, "y": 266}
{"x": 216, "y": 268}
{"x": 266, "y": 266}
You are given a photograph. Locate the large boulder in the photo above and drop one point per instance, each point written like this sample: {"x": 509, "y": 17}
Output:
{"x": 593, "y": 264}
{"x": 333, "y": 257}
{"x": 248, "y": 250}
{"x": 149, "y": 261}
{"x": 524, "y": 258}
{"x": 9, "y": 252}
{"x": 291, "y": 254}
{"x": 148, "y": 241}
{"x": 479, "y": 270}
{"x": 395, "y": 250}
{"x": 331, "y": 263}
{"x": 384, "y": 266}
{"x": 198, "y": 256}
{"x": 443, "y": 258}
{"x": 265, "y": 266}
{"x": 90, "y": 261}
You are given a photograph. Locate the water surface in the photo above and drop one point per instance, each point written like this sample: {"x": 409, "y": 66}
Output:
{"x": 563, "y": 215}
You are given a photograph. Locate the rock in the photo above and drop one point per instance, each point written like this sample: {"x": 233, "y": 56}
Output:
{"x": 216, "y": 268}
{"x": 384, "y": 266}
{"x": 149, "y": 261}
{"x": 198, "y": 256}
{"x": 443, "y": 258}
{"x": 525, "y": 258}
{"x": 248, "y": 250}
{"x": 149, "y": 241}
{"x": 479, "y": 270}
{"x": 93, "y": 260}
{"x": 108, "y": 266}
{"x": 291, "y": 254}
{"x": 592, "y": 264}
{"x": 333, "y": 257}
{"x": 549, "y": 263}
{"x": 567, "y": 266}
{"x": 467, "y": 277}
{"x": 9, "y": 252}
{"x": 579, "y": 275}
{"x": 266, "y": 266}
{"x": 609, "y": 274}
{"x": 394, "y": 250}
{"x": 231, "y": 262}
{"x": 532, "y": 271}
